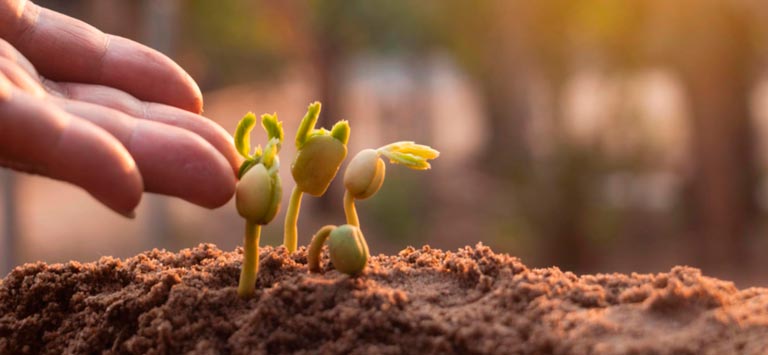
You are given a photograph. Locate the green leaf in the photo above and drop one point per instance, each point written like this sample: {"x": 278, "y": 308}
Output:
{"x": 408, "y": 160}
{"x": 273, "y": 127}
{"x": 242, "y": 134}
{"x": 257, "y": 153}
{"x": 421, "y": 150}
{"x": 307, "y": 124}
{"x": 270, "y": 152}
{"x": 340, "y": 131}
{"x": 409, "y": 154}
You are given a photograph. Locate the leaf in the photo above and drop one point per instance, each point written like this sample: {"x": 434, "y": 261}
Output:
{"x": 421, "y": 150}
{"x": 340, "y": 131}
{"x": 410, "y": 154}
{"x": 408, "y": 160}
{"x": 242, "y": 134}
{"x": 307, "y": 124}
{"x": 270, "y": 152}
{"x": 273, "y": 127}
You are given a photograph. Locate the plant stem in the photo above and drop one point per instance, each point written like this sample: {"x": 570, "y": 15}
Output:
{"x": 313, "y": 255}
{"x": 349, "y": 209}
{"x": 250, "y": 260}
{"x": 290, "y": 236}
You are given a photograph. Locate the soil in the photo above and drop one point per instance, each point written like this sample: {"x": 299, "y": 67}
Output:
{"x": 419, "y": 301}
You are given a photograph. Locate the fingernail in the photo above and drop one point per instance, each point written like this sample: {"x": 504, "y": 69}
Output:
{"x": 129, "y": 215}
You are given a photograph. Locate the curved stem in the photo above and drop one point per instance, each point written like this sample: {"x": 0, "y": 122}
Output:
{"x": 349, "y": 209}
{"x": 290, "y": 236}
{"x": 313, "y": 255}
{"x": 250, "y": 268}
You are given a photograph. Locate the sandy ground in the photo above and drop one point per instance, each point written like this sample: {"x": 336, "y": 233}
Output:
{"x": 419, "y": 301}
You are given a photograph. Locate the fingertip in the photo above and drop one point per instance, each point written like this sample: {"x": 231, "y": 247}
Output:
{"x": 224, "y": 145}
{"x": 217, "y": 179}
{"x": 197, "y": 96}
{"x": 89, "y": 157}
{"x": 191, "y": 168}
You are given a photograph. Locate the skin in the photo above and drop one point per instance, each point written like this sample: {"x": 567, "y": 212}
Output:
{"x": 105, "y": 113}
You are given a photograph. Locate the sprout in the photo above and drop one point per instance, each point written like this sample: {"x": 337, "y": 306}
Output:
{"x": 319, "y": 156}
{"x": 346, "y": 246}
{"x": 365, "y": 173}
{"x": 259, "y": 191}
{"x": 363, "y": 179}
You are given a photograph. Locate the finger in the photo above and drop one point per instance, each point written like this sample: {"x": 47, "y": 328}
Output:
{"x": 20, "y": 78}
{"x": 121, "y": 101}
{"x": 66, "y": 49}
{"x": 40, "y": 138}
{"x": 172, "y": 161}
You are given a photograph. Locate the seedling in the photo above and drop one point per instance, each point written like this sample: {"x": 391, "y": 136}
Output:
{"x": 365, "y": 173}
{"x": 346, "y": 245}
{"x": 362, "y": 179}
{"x": 318, "y": 158}
{"x": 258, "y": 192}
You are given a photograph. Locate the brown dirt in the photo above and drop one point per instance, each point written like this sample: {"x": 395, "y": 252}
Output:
{"x": 419, "y": 301}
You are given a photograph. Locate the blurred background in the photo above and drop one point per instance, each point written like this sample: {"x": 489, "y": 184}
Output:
{"x": 595, "y": 135}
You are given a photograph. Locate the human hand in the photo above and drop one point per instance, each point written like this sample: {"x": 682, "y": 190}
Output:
{"x": 105, "y": 113}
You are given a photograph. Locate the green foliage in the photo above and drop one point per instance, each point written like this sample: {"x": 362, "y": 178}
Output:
{"x": 273, "y": 127}
{"x": 307, "y": 125}
{"x": 409, "y": 154}
{"x": 340, "y": 131}
{"x": 243, "y": 135}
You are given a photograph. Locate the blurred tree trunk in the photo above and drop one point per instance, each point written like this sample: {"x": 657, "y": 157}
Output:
{"x": 508, "y": 109}
{"x": 505, "y": 77}
{"x": 717, "y": 71}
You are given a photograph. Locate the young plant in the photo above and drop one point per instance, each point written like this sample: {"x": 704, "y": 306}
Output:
{"x": 346, "y": 246}
{"x": 318, "y": 158}
{"x": 362, "y": 179}
{"x": 258, "y": 192}
{"x": 365, "y": 172}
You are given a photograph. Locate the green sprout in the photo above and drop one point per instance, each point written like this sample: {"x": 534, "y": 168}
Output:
{"x": 362, "y": 179}
{"x": 319, "y": 155}
{"x": 346, "y": 245}
{"x": 365, "y": 172}
{"x": 258, "y": 192}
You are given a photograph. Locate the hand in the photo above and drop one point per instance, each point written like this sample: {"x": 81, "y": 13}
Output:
{"x": 105, "y": 113}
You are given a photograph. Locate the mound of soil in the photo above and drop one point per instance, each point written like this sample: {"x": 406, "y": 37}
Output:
{"x": 419, "y": 301}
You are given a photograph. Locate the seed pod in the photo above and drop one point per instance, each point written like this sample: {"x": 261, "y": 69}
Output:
{"x": 258, "y": 195}
{"x": 365, "y": 174}
{"x": 348, "y": 249}
{"x": 317, "y": 163}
